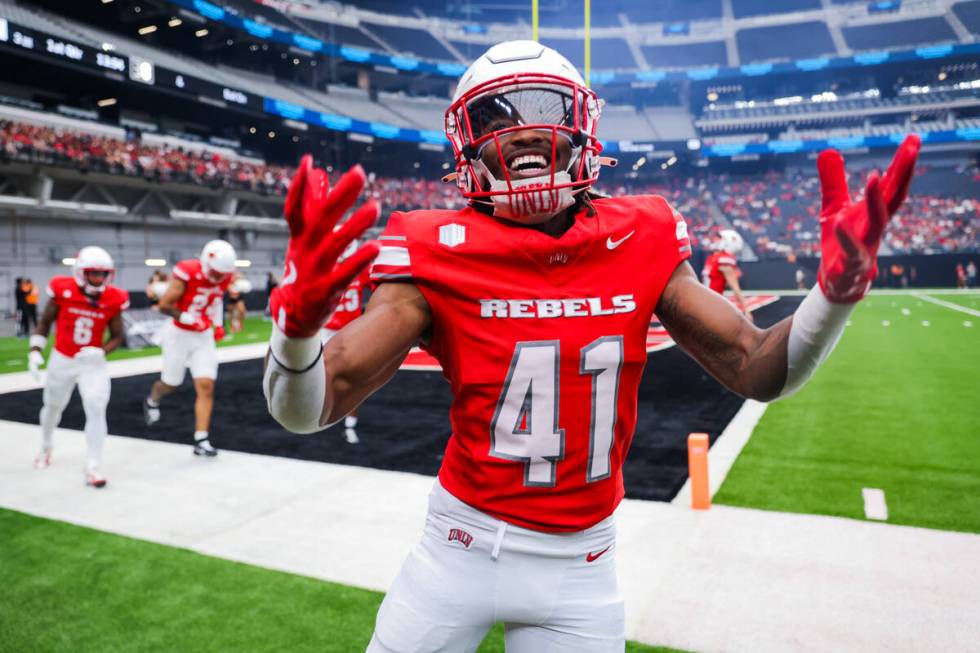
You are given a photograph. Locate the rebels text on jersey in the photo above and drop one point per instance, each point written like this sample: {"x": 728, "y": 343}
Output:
{"x": 82, "y": 320}
{"x": 711, "y": 274}
{"x": 351, "y": 304}
{"x": 543, "y": 341}
{"x": 199, "y": 293}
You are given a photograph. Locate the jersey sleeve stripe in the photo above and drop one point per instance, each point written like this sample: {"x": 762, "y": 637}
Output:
{"x": 180, "y": 274}
{"x": 49, "y": 291}
{"x": 378, "y": 276}
{"x": 397, "y": 256}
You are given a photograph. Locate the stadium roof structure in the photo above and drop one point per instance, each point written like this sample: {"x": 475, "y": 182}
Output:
{"x": 748, "y": 38}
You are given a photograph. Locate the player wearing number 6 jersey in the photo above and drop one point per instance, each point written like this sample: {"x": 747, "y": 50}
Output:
{"x": 536, "y": 300}
{"x": 81, "y": 307}
{"x": 193, "y": 299}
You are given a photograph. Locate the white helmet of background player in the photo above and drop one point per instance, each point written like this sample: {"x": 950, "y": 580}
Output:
{"x": 218, "y": 260}
{"x": 516, "y": 86}
{"x": 93, "y": 259}
{"x": 730, "y": 241}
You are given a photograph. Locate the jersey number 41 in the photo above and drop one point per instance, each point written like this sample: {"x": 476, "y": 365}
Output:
{"x": 525, "y": 424}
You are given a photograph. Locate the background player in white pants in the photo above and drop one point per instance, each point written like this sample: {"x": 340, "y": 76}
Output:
{"x": 80, "y": 307}
{"x": 193, "y": 299}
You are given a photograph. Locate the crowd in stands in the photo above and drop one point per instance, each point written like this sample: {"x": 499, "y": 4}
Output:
{"x": 776, "y": 212}
{"x": 92, "y": 152}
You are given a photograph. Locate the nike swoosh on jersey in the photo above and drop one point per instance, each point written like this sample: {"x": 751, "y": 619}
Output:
{"x": 592, "y": 557}
{"x": 613, "y": 244}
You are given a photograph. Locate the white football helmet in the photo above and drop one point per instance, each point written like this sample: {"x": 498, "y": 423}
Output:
{"x": 730, "y": 241}
{"x": 517, "y": 86}
{"x": 218, "y": 259}
{"x": 92, "y": 259}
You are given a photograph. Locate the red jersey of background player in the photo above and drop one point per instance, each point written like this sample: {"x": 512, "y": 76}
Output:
{"x": 351, "y": 304}
{"x": 543, "y": 341}
{"x": 82, "y": 320}
{"x": 199, "y": 293}
{"x": 711, "y": 275}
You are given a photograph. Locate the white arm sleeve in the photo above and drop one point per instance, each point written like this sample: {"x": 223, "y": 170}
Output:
{"x": 817, "y": 326}
{"x": 295, "y": 382}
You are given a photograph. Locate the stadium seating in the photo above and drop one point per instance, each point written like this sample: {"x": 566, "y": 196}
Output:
{"x": 744, "y": 8}
{"x": 793, "y": 41}
{"x": 969, "y": 15}
{"x": 608, "y": 54}
{"x": 411, "y": 41}
{"x": 899, "y": 34}
{"x": 710, "y": 53}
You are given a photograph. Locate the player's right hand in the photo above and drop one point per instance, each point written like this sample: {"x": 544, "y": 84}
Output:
{"x": 313, "y": 281}
{"x": 35, "y": 360}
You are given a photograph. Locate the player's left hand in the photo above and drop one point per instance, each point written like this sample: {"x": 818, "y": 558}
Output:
{"x": 850, "y": 233}
{"x": 35, "y": 361}
{"x": 219, "y": 333}
{"x": 90, "y": 355}
{"x": 313, "y": 280}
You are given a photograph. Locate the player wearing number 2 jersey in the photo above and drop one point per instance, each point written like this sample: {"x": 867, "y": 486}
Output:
{"x": 193, "y": 299}
{"x": 81, "y": 308}
{"x": 536, "y": 300}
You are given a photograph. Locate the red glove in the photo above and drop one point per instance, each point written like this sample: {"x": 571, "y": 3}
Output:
{"x": 312, "y": 281}
{"x": 851, "y": 233}
{"x": 219, "y": 333}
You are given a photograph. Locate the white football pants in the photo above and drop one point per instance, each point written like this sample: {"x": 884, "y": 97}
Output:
{"x": 554, "y": 592}
{"x": 94, "y": 387}
{"x": 182, "y": 349}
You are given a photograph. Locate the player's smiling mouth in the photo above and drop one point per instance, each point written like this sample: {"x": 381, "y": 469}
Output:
{"x": 529, "y": 162}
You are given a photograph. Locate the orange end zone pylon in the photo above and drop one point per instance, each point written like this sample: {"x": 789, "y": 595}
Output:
{"x": 697, "y": 463}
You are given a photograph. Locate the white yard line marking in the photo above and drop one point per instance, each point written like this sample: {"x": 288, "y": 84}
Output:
{"x": 874, "y": 503}
{"x": 722, "y": 454}
{"x": 949, "y": 305}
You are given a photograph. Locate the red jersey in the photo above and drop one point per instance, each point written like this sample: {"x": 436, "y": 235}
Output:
{"x": 82, "y": 320}
{"x": 199, "y": 292}
{"x": 711, "y": 274}
{"x": 351, "y": 304}
{"x": 543, "y": 342}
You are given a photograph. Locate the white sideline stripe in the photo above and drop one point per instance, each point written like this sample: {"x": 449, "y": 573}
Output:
{"x": 874, "y": 503}
{"x": 18, "y": 381}
{"x": 722, "y": 454}
{"x": 950, "y": 305}
{"x": 727, "y": 579}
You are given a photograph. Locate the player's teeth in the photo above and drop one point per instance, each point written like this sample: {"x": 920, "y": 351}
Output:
{"x": 532, "y": 160}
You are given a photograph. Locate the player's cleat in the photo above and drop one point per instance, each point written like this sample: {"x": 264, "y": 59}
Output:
{"x": 204, "y": 448}
{"x": 95, "y": 479}
{"x": 351, "y": 436}
{"x": 151, "y": 414}
{"x": 43, "y": 459}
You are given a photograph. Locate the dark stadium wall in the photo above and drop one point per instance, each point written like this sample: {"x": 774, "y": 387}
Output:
{"x": 930, "y": 271}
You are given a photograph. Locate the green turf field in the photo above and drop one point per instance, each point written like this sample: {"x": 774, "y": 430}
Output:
{"x": 895, "y": 408}
{"x": 13, "y": 351}
{"x": 73, "y": 589}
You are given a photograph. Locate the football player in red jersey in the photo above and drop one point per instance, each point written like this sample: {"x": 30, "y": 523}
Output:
{"x": 536, "y": 300}
{"x": 193, "y": 299}
{"x": 721, "y": 268}
{"x": 350, "y": 306}
{"x": 81, "y": 307}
